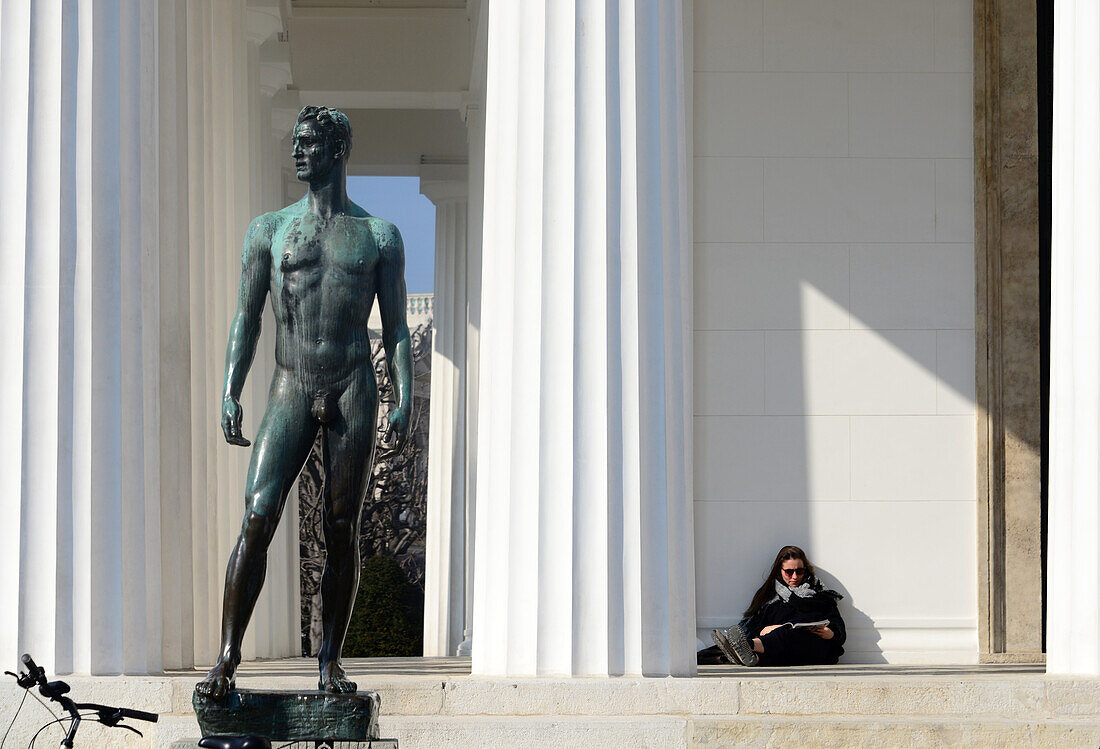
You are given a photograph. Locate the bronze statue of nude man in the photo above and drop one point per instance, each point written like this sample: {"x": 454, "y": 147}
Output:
{"x": 322, "y": 261}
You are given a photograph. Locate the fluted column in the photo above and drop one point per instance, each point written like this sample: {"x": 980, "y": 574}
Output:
{"x": 475, "y": 138}
{"x": 230, "y": 81}
{"x": 445, "y": 578}
{"x": 226, "y": 187}
{"x": 1073, "y": 581}
{"x": 584, "y": 556}
{"x": 113, "y": 260}
{"x": 80, "y": 562}
{"x": 175, "y": 437}
{"x": 276, "y": 627}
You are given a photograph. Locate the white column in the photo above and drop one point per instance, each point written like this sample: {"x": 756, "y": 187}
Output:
{"x": 475, "y": 136}
{"x": 80, "y": 563}
{"x": 584, "y": 558}
{"x": 226, "y": 80}
{"x": 228, "y": 84}
{"x": 109, "y": 267}
{"x": 1073, "y": 579}
{"x": 276, "y": 624}
{"x": 177, "y": 593}
{"x": 445, "y": 571}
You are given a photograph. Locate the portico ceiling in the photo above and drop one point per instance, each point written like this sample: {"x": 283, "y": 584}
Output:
{"x": 396, "y": 54}
{"x": 400, "y": 69}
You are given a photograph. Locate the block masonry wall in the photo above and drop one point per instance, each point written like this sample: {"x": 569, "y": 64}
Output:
{"x": 834, "y": 312}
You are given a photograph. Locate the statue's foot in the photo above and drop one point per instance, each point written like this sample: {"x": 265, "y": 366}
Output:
{"x": 334, "y": 680}
{"x": 219, "y": 681}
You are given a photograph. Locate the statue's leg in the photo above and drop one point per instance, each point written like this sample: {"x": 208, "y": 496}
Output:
{"x": 283, "y": 442}
{"x": 348, "y": 444}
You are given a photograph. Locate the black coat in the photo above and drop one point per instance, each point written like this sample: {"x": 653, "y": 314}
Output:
{"x": 798, "y": 610}
{"x": 798, "y": 647}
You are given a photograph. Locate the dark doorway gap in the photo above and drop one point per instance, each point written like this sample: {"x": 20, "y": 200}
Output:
{"x": 1045, "y": 80}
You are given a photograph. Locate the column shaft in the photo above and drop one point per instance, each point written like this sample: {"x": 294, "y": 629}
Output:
{"x": 225, "y": 122}
{"x": 108, "y": 263}
{"x": 178, "y": 593}
{"x": 584, "y": 556}
{"x": 445, "y": 582}
{"x": 82, "y": 493}
{"x": 475, "y": 127}
{"x": 1073, "y": 580}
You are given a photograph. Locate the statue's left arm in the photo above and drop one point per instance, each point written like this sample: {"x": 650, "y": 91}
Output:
{"x": 395, "y": 328}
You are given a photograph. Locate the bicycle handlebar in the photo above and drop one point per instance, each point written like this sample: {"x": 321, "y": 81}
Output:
{"x": 35, "y": 671}
{"x": 56, "y": 690}
{"x": 115, "y": 714}
{"x": 139, "y": 715}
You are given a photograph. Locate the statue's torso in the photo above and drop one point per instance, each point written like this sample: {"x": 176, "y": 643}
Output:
{"x": 323, "y": 284}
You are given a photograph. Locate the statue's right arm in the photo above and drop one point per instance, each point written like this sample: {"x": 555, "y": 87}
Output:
{"x": 245, "y": 330}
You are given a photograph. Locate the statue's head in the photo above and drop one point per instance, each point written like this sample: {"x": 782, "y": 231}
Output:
{"x": 321, "y": 142}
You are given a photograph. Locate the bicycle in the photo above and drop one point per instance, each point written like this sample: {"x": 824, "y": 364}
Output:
{"x": 111, "y": 717}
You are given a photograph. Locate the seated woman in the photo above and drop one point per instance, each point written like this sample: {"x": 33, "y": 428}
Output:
{"x": 791, "y": 595}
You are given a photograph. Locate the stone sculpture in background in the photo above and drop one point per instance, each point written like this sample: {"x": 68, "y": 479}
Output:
{"x": 322, "y": 261}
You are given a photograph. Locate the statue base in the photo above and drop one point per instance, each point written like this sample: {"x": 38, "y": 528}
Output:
{"x": 290, "y": 716}
{"x": 366, "y": 744}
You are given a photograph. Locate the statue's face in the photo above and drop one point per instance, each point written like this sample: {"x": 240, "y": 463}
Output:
{"x": 313, "y": 153}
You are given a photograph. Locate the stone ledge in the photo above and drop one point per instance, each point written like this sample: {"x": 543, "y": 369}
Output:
{"x": 1006, "y": 705}
{"x": 827, "y": 733}
{"x": 538, "y": 732}
{"x": 674, "y": 732}
{"x": 1004, "y": 691}
{"x": 1015, "y": 698}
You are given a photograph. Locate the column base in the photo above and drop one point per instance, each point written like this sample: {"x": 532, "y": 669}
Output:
{"x": 1012, "y": 658}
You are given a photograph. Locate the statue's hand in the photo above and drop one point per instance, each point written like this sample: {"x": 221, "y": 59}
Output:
{"x": 397, "y": 431}
{"x": 231, "y": 422}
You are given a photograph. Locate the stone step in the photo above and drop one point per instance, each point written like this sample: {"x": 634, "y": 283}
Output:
{"x": 1016, "y": 698}
{"x": 426, "y": 704}
{"x": 671, "y": 732}
{"x": 1020, "y": 697}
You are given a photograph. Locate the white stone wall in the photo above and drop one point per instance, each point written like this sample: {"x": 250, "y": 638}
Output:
{"x": 834, "y": 312}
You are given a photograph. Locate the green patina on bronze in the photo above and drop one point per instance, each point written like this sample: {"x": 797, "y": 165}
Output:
{"x": 290, "y": 716}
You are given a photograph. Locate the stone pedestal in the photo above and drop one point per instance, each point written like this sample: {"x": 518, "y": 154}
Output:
{"x": 290, "y": 716}
{"x": 367, "y": 744}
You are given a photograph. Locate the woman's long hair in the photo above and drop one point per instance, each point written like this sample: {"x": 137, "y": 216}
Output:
{"x": 767, "y": 591}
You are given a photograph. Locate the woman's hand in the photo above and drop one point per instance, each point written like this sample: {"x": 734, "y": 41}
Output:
{"x": 770, "y": 628}
{"x": 823, "y": 632}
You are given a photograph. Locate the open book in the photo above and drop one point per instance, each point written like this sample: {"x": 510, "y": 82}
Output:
{"x": 806, "y": 625}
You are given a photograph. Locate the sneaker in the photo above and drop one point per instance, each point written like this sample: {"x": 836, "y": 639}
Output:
{"x": 735, "y": 646}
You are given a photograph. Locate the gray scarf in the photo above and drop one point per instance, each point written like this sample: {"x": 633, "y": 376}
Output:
{"x": 812, "y": 587}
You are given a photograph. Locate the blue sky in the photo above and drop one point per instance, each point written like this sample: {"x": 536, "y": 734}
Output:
{"x": 398, "y": 200}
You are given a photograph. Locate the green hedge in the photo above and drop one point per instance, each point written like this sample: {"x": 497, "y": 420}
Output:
{"x": 388, "y": 618}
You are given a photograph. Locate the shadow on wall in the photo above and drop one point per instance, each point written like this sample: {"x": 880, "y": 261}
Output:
{"x": 838, "y": 426}
{"x": 862, "y": 644}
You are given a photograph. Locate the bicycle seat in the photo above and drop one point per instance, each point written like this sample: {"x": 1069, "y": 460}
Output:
{"x": 235, "y": 742}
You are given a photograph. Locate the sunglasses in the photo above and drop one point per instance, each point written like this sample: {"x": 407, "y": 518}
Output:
{"x": 795, "y": 571}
